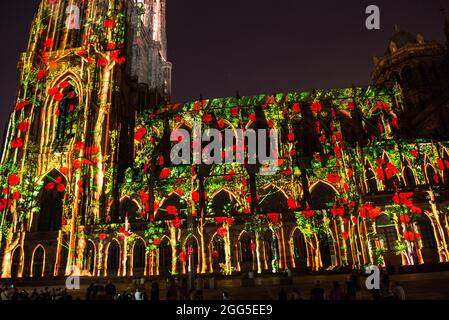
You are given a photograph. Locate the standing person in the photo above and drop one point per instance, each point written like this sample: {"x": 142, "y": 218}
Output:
{"x": 139, "y": 296}
{"x": 398, "y": 291}
{"x": 296, "y": 295}
{"x": 95, "y": 290}
{"x": 336, "y": 294}
{"x": 352, "y": 287}
{"x": 282, "y": 295}
{"x": 111, "y": 291}
{"x": 172, "y": 292}
{"x": 154, "y": 291}
{"x": 183, "y": 294}
{"x": 385, "y": 288}
{"x": 90, "y": 291}
{"x": 317, "y": 293}
{"x": 199, "y": 287}
{"x": 226, "y": 296}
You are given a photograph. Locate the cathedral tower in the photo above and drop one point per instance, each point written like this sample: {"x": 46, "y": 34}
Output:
{"x": 89, "y": 68}
{"x": 421, "y": 68}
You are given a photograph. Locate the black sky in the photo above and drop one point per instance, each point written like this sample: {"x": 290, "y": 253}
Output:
{"x": 254, "y": 46}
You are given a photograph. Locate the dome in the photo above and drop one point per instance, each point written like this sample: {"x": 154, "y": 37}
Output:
{"x": 401, "y": 39}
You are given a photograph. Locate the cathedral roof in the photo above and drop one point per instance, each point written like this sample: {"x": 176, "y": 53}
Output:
{"x": 401, "y": 39}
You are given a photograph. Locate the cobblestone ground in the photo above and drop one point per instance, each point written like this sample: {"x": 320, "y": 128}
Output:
{"x": 419, "y": 286}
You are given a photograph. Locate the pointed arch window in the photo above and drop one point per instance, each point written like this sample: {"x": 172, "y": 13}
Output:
{"x": 51, "y": 202}
{"x": 322, "y": 196}
{"x": 371, "y": 182}
{"x": 66, "y": 114}
{"x": 433, "y": 178}
{"x": 139, "y": 257}
{"x": 409, "y": 177}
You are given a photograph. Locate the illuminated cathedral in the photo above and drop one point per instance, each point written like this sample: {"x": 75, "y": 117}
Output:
{"x": 88, "y": 186}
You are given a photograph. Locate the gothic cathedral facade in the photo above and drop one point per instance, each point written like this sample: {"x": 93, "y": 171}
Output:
{"x": 90, "y": 67}
{"x": 361, "y": 175}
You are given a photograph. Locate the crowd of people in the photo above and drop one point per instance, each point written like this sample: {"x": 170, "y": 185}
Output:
{"x": 179, "y": 289}
{"x": 12, "y": 293}
{"x": 350, "y": 291}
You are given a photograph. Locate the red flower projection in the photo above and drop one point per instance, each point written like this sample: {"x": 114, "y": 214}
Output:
{"x": 102, "y": 62}
{"x": 63, "y": 84}
{"x": 102, "y": 236}
{"x": 390, "y": 169}
{"x": 50, "y": 186}
{"x": 16, "y": 195}
{"x": 351, "y": 105}
{"x": 382, "y": 105}
{"x": 350, "y": 174}
{"x": 23, "y": 126}
{"x": 123, "y": 233}
{"x": 78, "y": 146}
{"x": 414, "y": 153}
{"x": 291, "y": 137}
{"x": 196, "y": 196}
{"x": 13, "y": 180}
{"x": 308, "y": 213}
{"x": 394, "y": 123}
{"x": 22, "y": 104}
{"x": 411, "y": 236}
{"x": 156, "y": 242}
{"x": 367, "y": 210}
{"x": 442, "y": 164}
{"x": 57, "y": 183}
{"x": 61, "y": 188}
{"x": 182, "y": 257}
{"x": 5, "y": 203}
{"x": 207, "y": 118}
{"x": 176, "y": 223}
{"x": 165, "y": 173}
{"x": 253, "y": 117}
{"x": 109, "y": 23}
{"x": 274, "y": 217}
{"x": 337, "y": 151}
{"x": 41, "y": 74}
{"x": 404, "y": 218}
{"x": 117, "y": 58}
{"x": 296, "y": 108}
{"x": 172, "y": 210}
{"x": 436, "y": 178}
{"x": 17, "y": 143}
{"x": 53, "y": 91}
{"x": 140, "y": 134}
{"x": 90, "y": 151}
{"x": 316, "y": 107}
{"x": 292, "y": 203}
{"x": 220, "y": 220}
{"x": 234, "y": 112}
{"x": 76, "y": 163}
{"x": 48, "y": 43}
{"x": 333, "y": 178}
{"x": 403, "y": 198}
{"x": 344, "y": 235}
{"x": 222, "y": 232}
{"x": 338, "y": 212}
{"x": 144, "y": 197}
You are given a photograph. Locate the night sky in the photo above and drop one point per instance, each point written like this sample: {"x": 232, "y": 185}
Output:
{"x": 253, "y": 46}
